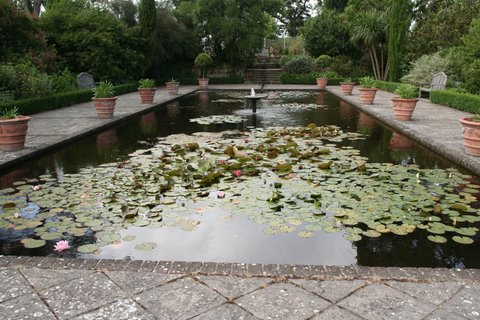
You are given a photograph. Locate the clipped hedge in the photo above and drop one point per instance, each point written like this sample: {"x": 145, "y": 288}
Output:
{"x": 462, "y": 101}
{"x": 387, "y": 86}
{"x": 222, "y": 80}
{"x": 309, "y": 78}
{"x": 59, "y": 100}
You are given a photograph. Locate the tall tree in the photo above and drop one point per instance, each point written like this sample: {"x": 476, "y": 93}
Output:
{"x": 293, "y": 15}
{"x": 148, "y": 17}
{"x": 33, "y": 7}
{"x": 337, "y": 5}
{"x": 399, "y": 19}
{"x": 125, "y": 10}
{"x": 369, "y": 30}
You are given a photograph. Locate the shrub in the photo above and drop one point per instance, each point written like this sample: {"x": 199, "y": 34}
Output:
{"x": 63, "y": 81}
{"x": 306, "y": 78}
{"x": 342, "y": 65}
{"x": 323, "y": 62}
{"x": 9, "y": 80}
{"x": 202, "y": 61}
{"x": 386, "y": 85}
{"x": 285, "y": 59}
{"x": 300, "y": 65}
{"x": 457, "y": 100}
{"x": 425, "y": 67}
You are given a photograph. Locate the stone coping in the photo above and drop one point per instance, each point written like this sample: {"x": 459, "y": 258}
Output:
{"x": 316, "y": 272}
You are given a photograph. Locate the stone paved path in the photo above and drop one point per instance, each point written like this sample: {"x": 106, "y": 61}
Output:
{"x": 54, "y": 288}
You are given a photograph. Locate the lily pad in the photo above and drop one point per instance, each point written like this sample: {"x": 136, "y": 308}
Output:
{"x": 88, "y": 248}
{"x": 462, "y": 240}
{"x": 33, "y": 243}
{"x": 437, "y": 239}
{"x": 146, "y": 246}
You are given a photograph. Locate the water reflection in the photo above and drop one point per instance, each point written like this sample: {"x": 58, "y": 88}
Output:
{"x": 148, "y": 123}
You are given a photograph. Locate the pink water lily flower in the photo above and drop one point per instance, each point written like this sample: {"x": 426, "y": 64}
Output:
{"x": 222, "y": 162}
{"x": 36, "y": 188}
{"x": 61, "y": 245}
{"x": 220, "y": 194}
{"x": 237, "y": 173}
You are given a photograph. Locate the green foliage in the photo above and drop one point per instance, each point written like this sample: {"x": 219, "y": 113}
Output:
{"x": 300, "y": 64}
{"x": 125, "y": 10}
{"x": 94, "y": 41}
{"x": 399, "y": 20}
{"x": 285, "y": 59}
{"x": 386, "y": 85}
{"x": 222, "y": 80}
{"x": 292, "y": 15}
{"x": 9, "y": 113}
{"x": 476, "y": 118}
{"x": 33, "y": 82}
{"x": 326, "y": 34}
{"x": 425, "y": 67}
{"x": 342, "y": 65}
{"x": 323, "y": 62}
{"x": 306, "y": 78}
{"x": 59, "y": 100}
{"x": 406, "y": 91}
{"x": 338, "y": 5}
{"x": 202, "y": 61}
{"x": 9, "y": 80}
{"x": 458, "y": 100}
{"x": 147, "y": 16}
{"x": 146, "y": 83}
{"x": 63, "y": 81}
{"x": 326, "y": 74}
{"x": 103, "y": 90}
{"x": 367, "y": 82}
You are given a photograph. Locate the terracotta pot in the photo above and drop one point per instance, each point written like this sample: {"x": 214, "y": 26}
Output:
{"x": 146, "y": 95}
{"x": 401, "y": 142}
{"x": 322, "y": 82}
{"x": 365, "y": 121}
{"x": 367, "y": 95}
{"x": 347, "y": 88}
{"x": 403, "y": 108}
{"x": 203, "y": 83}
{"x": 105, "y": 107}
{"x": 471, "y": 136}
{"x": 13, "y": 133}
{"x": 172, "y": 87}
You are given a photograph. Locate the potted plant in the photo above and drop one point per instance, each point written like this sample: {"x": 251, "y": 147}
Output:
{"x": 202, "y": 61}
{"x": 146, "y": 90}
{"x": 347, "y": 86}
{"x": 405, "y": 103}
{"x": 471, "y": 135}
{"x": 104, "y": 100}
{"x": 172, "y": 86}
{"x": 367, "y": 90}
{"x": 322, "y": 78}
{"x": 13, "y": 129}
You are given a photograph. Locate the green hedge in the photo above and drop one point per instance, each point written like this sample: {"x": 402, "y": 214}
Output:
{"x": 387, "y": 86}
{"x": 457, "y": 100}
{"x": 59, "y": 100}
{"x": 292, "y": 78}
{"x": 194, "y": 81}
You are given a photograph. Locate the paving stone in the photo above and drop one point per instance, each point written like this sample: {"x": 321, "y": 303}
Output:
{"x": 148, "y": 266}
{"x": 163, "y": 266}
{"x": 81, "y": 295}
{"x": 442, "y": 314}
{"x": 181, "y": 299}
{"x": 255, "y": 269}
{"x": 12, "y": 284}
{"x": 25, "y": 307}
{"x": 466, "y": 302}
{"x": 435, "y": 292}
{"x": 301, "y": 271}
{"x": 19, "y": 261}
{"x": 318, "y": 272}
{"x": 233, "y": 287}
{"x": 239, "y": 269}
{"x": 223, "y": 269}
{"x": 60, "y": 263}
{"x": 135, "y": 282}
{"x": 125, "y": 309}
{"x": 282, "y": 301}
{"x": 194, "y": 267}
{"x": 270, "y": 270}
{"x": 179, "y": 267}
{"x": 209, "y": 268}
{"x": 378, "y": 301}
{"x": 226, "y": 312}
{"x": 336, "y": 313}
{"x": 43, "y": 278}
{"x": 330, "y": 290}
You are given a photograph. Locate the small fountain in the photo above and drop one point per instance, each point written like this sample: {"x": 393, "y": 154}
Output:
{"x": 251, "y": 100}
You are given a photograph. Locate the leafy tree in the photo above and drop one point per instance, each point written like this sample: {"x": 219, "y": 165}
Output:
{"x": 338, "y": 5}
{"x": 399, "y": 19}
{"x": 33, "y": 7}
{"x": 369, "y": 31}
{"x": 440, "y": 24}
{"x": 93, "y": 40}
{"x": 293, "y": 14}
{"x": 326, "y": 34}
{"x": 148, "y": 17}
{"x": 125, "y": 10}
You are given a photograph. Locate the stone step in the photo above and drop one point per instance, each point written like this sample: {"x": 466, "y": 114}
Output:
{"x": 270, "y": 76}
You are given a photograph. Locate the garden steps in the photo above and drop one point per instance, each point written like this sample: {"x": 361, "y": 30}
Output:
{"x": 259, "y": 75}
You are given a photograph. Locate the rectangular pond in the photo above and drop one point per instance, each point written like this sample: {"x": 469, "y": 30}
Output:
{"x": 308, "y": 179}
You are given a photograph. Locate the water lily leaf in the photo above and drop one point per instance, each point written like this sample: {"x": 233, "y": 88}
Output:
{"x": 305, "y": 234}
{"x": 462, "y": 240}
{"x": 466, "y": 231}
{"x": 88, "y": 248}
{"x": 109, "y": 238}
{"x": 352, "y": 237}
{"x": 146, "y": 246}
{"x": 33, "y": 243}
{"x": 331, "y": 229}
{"x": 437, "y": 239}
{"x": 129, "y": 237}
{"x": 51, "y": 236}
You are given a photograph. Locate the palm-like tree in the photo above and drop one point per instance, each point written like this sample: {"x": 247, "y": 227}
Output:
{"x": 369, "y": 30}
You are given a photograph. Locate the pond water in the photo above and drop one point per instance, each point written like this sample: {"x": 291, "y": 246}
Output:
{"x": 356, "y": 193}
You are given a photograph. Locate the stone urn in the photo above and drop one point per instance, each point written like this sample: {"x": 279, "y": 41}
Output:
{"x": 367, "y": 95}
{"x": 403, "y": 108}
{"x": 322, "y": 83}
{"x": 146, "y": 95}
{"x": 347, "y": 88}
{"x": 471, "y": 136}
{"x": 203, "y": 83}
{"x": 105, "y": 107}
{"x": 13, "y": 133}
